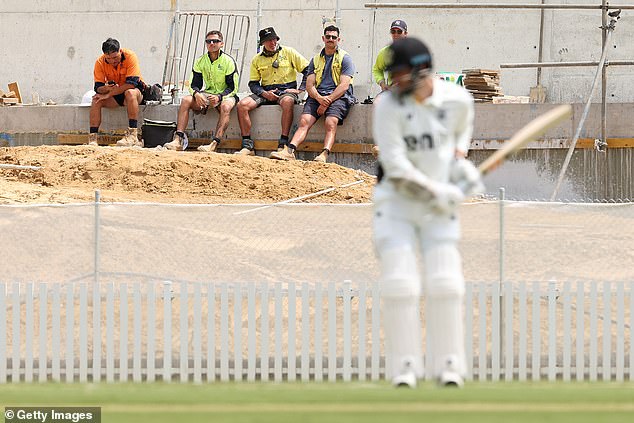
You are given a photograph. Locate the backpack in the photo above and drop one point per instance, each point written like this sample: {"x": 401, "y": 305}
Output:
{"x": 152, "y": 92}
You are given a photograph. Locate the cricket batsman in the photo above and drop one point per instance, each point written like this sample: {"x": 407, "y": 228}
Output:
{"x": 423, "y": 128}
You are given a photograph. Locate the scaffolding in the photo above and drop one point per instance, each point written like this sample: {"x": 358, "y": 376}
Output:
{"x": 606, "y": 16}
{"x": 186, "y": 43}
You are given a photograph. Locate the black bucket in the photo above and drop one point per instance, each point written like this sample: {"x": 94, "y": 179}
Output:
{"x": 157, "y": 132}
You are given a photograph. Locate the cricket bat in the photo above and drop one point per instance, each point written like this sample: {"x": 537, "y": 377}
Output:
{"x": 528, "y": 133}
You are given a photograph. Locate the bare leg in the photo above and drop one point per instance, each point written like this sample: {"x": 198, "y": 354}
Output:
{"x": 223, "y": 119}
{"x": 244, "y": 107}
{"x": 305, "y": 123}
{"x": 183, "y": 112}
{"x": 331, "y": 130}
{"x": 133, "y": 98}
{"x": 287, "y": 104}
{"x": 95, "y": 110}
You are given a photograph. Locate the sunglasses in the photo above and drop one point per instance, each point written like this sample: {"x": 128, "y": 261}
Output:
{"x": 215, "y": 41}
{"x": 396, "y": 31}
{"x": 331, "y": 37}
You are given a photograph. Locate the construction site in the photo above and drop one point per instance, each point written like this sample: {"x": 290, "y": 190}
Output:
{"x": 136, "y": 264}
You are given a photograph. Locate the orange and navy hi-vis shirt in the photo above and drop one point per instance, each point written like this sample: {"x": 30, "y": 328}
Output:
{"x": 127, "y": 72}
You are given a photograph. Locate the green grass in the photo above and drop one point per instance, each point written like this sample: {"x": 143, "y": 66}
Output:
{"x": 338, "y": 402}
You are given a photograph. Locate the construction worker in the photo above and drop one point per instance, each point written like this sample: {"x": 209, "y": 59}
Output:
{"x": 118, "y": 82}
{"x": 329, "y": 87}
{"x": 398, "y": 30}
{"x": 213, "y": 84}
{"x": 273, "y": 80}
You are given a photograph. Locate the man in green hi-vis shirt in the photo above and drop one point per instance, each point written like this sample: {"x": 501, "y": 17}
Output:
{"x": 398, "y": 30}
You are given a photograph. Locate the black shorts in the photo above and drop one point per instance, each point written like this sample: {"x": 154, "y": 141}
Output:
{"x": 261, "y": 101}
{"x": 119, "y": 98}
{"x": 338, "y": 108}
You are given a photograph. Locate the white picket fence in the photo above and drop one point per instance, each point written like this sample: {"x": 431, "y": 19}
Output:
{"x": 305, "y": 331}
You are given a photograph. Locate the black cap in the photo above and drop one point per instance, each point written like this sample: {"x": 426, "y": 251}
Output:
{"x": 399, "y": 23}
{"x": 267, "y": 34}
{"x": 408, "y": 52}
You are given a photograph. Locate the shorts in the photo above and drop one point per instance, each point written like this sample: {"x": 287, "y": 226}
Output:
{"x": 204, "y": 110}
{"x": 338, "y": 108}
{"x": 120, "y": 98}
{"x": 261, "y": 101}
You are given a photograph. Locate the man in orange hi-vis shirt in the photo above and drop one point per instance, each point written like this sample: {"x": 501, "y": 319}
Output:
{"x": 117, "y": 83}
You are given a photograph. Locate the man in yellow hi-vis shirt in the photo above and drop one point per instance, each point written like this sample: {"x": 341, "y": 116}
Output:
{"x": 273, "y": 80}
{"x": 398, "y": 30}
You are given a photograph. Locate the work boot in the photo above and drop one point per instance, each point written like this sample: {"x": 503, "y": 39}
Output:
{"x": 245, "y": 152}
{"x": 248, "y": 148}
{"x": 209, "y": 148}
{"x": 130, "y": 139}
{"x": 281, "y": 144}
{"x": 285, "y": 154}
{"x": 92, "y": 140}
{"x": 177, "y": 144}
{"x": 323, "y": 157}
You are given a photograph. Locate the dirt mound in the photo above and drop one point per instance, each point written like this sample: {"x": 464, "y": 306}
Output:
{"x": 72, "y": 174}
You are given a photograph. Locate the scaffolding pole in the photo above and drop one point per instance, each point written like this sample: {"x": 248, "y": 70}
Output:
{"x": 604, "y": 7}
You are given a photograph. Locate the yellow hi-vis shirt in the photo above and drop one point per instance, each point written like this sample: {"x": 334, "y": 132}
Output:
{"x": 319, "y": 61}
{"x": 290, "y": 63}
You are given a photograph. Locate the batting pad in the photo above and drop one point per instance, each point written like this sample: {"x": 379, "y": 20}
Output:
{"x": 443, "y": 305}
{"x": 402, "y": 327}
{"x": 400, "y": 290}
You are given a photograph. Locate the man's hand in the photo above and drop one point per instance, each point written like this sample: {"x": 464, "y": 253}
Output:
{"x": 293, "y": 91}
{"x": 446, "y": 198}
{"x": 321, "y": 109}
{"x": 383, "y": 86}
{"x": 324, "y": 100}
{"x": 466, "y": 176}
{"x": 214, "y": 100}
{"x": 443, "y": 198}
{"x": 101, "y": 97}
{"x": 201, "y": 100}
{"x": 270, "y": 95}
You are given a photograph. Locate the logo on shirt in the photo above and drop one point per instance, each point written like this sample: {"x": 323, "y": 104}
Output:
{"x": 423, "y": 142}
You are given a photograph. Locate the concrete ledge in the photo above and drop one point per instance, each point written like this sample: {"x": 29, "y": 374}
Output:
{"x": 492, "y": 121}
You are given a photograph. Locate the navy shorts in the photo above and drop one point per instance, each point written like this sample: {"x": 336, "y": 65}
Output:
{"x": 338, "y": 108}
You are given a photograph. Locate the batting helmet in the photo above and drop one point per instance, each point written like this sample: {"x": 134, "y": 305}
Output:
{"x": 408, "y": 53}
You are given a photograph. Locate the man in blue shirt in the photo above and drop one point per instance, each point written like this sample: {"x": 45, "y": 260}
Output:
{"x": 329, "y": 86}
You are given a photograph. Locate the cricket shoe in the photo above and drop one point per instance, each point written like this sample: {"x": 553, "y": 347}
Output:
{"x": 407, "y": 377}
{"x": 450, "y": 378}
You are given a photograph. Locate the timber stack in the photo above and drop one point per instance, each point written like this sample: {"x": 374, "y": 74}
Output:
{"x": 483, "y": 84}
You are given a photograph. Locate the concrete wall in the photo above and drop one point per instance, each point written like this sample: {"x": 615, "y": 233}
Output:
{"x": 49, "y": 46}
{"x": 531, "y": 174}
{"x": 492, "y": 122}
